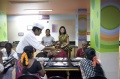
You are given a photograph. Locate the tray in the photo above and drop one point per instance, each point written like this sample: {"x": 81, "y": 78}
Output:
{"x": 42, "y": 59}
{"x": 59, "y": 59}
{"x": 76, "y": 64}
{"x": 58, "y": 64}
{"x": 76, "y": 59}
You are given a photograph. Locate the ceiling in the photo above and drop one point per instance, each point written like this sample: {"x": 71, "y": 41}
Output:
{"x": 17, "y": 7}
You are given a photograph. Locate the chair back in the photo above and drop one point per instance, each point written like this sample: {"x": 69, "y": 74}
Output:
{"x": 56, "y": 77}
{"x": 28, "y": 77}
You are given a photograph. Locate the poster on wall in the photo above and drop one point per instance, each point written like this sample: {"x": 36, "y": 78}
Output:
{"x": 54, "y": 28}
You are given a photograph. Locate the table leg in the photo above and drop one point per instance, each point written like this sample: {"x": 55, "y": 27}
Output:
{"x": 68, "y": 74}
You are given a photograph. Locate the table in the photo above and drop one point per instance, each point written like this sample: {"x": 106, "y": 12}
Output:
{"x": 67, "y": 69}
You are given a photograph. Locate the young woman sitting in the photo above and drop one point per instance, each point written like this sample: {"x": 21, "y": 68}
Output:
{"x": 28, "y": 65}
{"x": 90, "y": 66}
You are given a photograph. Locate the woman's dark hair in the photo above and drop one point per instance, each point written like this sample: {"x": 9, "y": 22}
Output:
{"x": 29, "y": 50}
{"x": 8, "y": 44}
{"x": 48, "y": 30}
{"x": 90, "y": 53}
{"x": 34, "y": 28}
{"x": 63, "y": 28}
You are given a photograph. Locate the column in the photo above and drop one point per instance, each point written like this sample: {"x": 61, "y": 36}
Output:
{"x": 104, "y": 30}
{"x": 81, "y": 29}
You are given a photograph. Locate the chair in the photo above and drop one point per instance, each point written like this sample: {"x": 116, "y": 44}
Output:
{"x": 28, "y": 77}
{"x": 98, "y": 77}
{"x": 56, "y": 77}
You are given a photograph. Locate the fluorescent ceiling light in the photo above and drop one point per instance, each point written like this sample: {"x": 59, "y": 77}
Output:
{"x": 39, "y": 9}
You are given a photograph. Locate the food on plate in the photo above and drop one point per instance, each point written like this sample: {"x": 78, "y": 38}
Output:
{"x": 59, "y": 63}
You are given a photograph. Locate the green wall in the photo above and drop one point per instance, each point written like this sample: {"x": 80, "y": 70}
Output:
{"x": 3, "y": 26}
{"x": 104, "y": 25}
{"x": 95, "y": 24}
{"x": 3, "y": 20}
{"x": 110, "y": 22}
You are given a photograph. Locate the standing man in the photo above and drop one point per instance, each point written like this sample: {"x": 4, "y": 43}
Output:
{"x": 31, "y": 40}
{"x": 48, "y": 40}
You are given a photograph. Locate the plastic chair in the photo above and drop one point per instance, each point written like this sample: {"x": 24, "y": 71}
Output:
{"x": 28, "y": 77}
{"x": 98, "y": 77}
{"x": 56, "y": 77}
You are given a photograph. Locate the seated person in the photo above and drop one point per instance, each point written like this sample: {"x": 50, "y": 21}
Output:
{"x": 28, "y": 65}
{"x": 58, "y": 52}
{"x": 90, "y": 66}
{"x": 8, "y": 53}
{"x": 1, "y": 64}
{"x": 48, "y": 40}
{"x": 81, "y": 51}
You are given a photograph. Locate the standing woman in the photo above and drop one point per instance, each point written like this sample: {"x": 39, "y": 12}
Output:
{"x": 48, "y": 40}
{"x": 64, "y": 39}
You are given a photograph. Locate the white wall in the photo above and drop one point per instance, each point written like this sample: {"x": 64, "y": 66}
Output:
{"x": 18, "y": 24}
{"x": 110, "y": 64}
{"x": 88, "y": 27}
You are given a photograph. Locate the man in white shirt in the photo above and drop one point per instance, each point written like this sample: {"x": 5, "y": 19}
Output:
{"x": 30, "y": 40}
{"x": 8, "y": 53}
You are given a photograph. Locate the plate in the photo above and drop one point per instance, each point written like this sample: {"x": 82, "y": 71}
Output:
{"x": 75, "y": 63}
{"x": 76, "y": 59}
{"x": 59, "y": 59}
{"x": 59, "y": 64}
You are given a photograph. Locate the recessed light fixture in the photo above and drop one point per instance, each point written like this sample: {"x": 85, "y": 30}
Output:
{"x": 38, "y": 9}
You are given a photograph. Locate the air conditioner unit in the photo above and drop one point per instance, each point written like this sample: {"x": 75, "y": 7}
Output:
{"x": 26, "y": 1}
